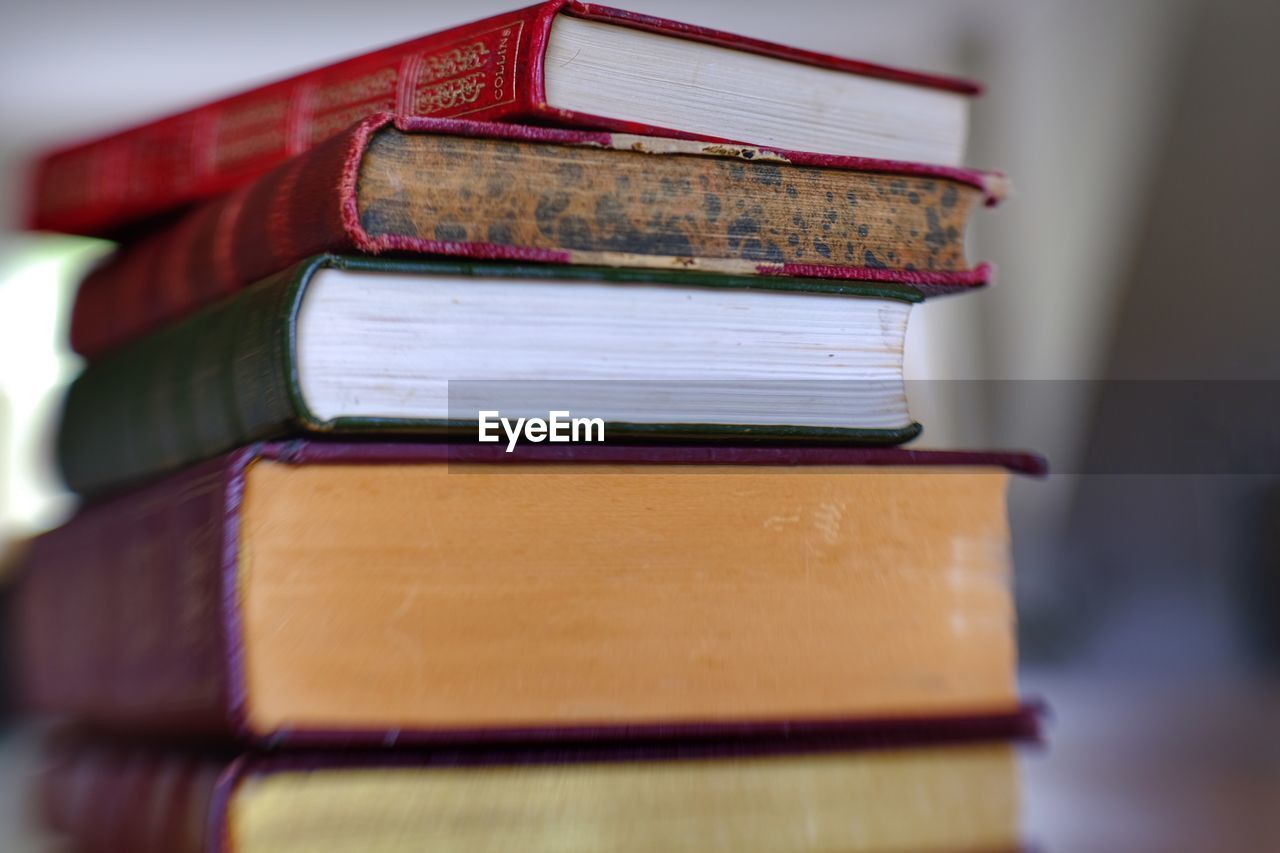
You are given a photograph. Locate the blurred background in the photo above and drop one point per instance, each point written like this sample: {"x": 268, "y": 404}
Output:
{"x": 1131, "y": 336}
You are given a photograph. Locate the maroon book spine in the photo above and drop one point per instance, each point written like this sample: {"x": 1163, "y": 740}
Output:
{"x": 104, "y": 798}
{"x": 120, "y": 612}
{"x": 308, "y": 206}
{"x": 490, "y": 70}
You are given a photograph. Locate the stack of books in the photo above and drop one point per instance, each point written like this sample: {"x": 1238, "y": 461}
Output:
{"x": 488, "y": 443}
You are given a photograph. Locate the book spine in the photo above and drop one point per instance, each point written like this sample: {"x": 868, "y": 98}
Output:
{"x": 119, "y": 614}
{"x": 104, "y": 799}
{"x": 220, "y": 378}
{"x": 294, "y": 211}
{"x": 487, "y": 70}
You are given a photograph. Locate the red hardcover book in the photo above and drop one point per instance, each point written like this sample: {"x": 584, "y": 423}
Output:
{"x": 511, "y": 192}
{"x": 548, "y": 64}
{"x": 324, "y": 593}
{"x": 947, "y": 787}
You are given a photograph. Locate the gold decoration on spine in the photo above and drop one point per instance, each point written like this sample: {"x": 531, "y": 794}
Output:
{"x": 451, "y": 63}
{"x": 450, "y": 94}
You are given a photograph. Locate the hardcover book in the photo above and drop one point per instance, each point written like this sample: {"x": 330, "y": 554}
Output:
{"x": 783, "y": 796}
{"x": 488, "y": 191}
{"x": 564, "y": 63}
{"x": 321, "y": 593}
{"x": 359, "y": 345}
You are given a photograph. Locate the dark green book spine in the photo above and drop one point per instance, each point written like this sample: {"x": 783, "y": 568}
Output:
{"x": 218, "y": 379}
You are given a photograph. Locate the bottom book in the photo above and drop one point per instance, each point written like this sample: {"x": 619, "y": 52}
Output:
{"x": 959, "y": 796}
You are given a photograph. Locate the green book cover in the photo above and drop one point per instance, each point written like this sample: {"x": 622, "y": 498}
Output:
{"x": 228, "y": 375}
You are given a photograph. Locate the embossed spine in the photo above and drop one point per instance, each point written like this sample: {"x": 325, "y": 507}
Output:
{"x": 487, "y": 70}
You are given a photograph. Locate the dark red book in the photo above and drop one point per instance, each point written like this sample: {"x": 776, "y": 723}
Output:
{"x": 442, "y": 187}
{"x": 564, "y": 63}
{"x": 314, "y": 592}
{"x": 942, "y": 788}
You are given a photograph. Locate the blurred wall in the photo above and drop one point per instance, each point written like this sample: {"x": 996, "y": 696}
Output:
{"x": 1180, "y": 554}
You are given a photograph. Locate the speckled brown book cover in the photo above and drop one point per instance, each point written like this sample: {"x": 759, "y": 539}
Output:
{"x": 636, "y": 208}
